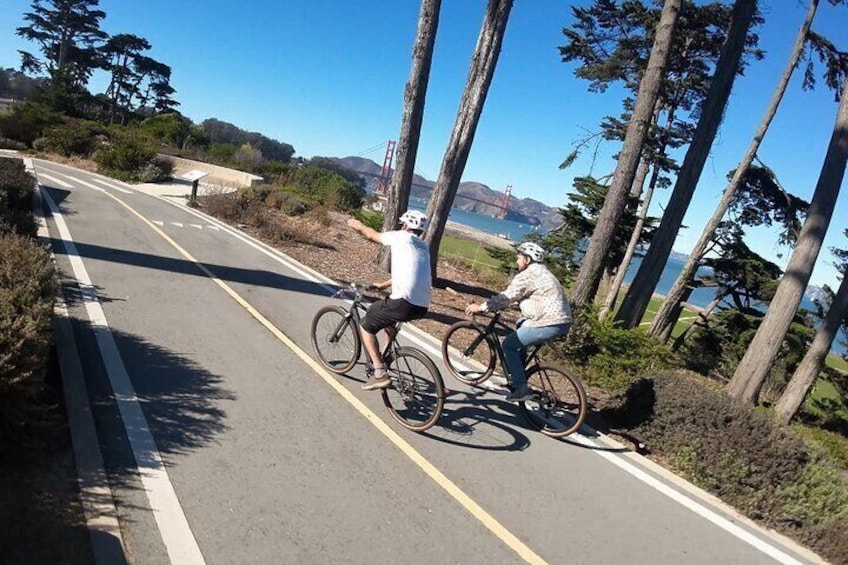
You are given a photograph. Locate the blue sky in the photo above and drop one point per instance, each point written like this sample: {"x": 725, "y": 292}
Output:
{"x": 327, "y": 76}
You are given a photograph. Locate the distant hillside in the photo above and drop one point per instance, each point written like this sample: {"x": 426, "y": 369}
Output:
{"x": 471, "y": 196}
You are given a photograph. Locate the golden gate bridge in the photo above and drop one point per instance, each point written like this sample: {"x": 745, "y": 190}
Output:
{"x": 385, "y": 177}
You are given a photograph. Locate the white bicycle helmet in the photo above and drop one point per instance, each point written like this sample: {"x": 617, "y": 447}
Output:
{"x": 414, "y": 219}
{"x": 532, "y": 250}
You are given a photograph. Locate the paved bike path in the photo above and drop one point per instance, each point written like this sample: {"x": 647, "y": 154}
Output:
{"x": 271, "y": 463}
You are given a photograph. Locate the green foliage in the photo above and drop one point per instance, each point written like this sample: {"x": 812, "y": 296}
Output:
{"x": 717, "y": 348}
{"x": 127, "y": 155}
{"x": 16, "y": 189}
{"x": 741, "y": 455}
{"x": 609, "y": 356}
{"x": 373, "y": 220}
{"x": 324, "y": 187}
{"x": 223, "y": 132}
{"x": 28, "y": 120}
{"x": 171, "y": 129}
{"x": 567, "y": 243}
{"x": 27, "y": 288}
{"x": 75, "y": 137}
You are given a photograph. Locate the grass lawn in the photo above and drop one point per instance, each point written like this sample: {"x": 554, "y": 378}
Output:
{"x": 837, "y": 362}
{"x": 472, "y": 252}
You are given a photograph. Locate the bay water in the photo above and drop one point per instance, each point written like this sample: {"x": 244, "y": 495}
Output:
{"x": 515, "y": 231}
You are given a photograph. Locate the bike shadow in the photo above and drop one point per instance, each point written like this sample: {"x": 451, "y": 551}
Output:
{"x": 476, "y": 420}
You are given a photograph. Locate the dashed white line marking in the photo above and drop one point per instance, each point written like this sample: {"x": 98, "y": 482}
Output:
{"x": 113, "y": 186}
{"x": 178, "y": 224}
{"x": 198, "y": 226}
{"x": 57, "y": 182}
{"x": 159, "y": 223}
{"x": 211, "y": 227}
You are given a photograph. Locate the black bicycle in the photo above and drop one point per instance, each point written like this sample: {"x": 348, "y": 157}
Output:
{"x": 416, "y": 395}
{"x": 558, "y": 405}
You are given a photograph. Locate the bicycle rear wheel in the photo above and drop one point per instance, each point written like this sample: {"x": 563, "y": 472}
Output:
{"x": 416, "y": 396}
{"x": 335, "y": 339}
{"x": 559, "y": 405}
{"x": 475, "y": 360}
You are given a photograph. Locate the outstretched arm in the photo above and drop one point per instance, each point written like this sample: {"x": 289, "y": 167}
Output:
{"x": 367, "y": 232}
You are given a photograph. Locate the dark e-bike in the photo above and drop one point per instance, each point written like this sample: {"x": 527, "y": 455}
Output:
{"x": 416, "y": 395}
{"x": 558, "y": 405}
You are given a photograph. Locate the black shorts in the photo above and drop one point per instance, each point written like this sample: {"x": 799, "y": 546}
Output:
{"x": 388, "y": 312}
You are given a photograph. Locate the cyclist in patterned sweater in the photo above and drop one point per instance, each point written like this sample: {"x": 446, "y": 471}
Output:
{"x": 546, "y": 313}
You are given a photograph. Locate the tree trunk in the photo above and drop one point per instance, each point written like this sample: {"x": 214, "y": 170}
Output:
{"x": 662, "y": 320}
{"x": 615, "y": 287}
{"x": 592, "y": 266}
{"x": 701, "y": 321}
{"x": 414, "y": 96}
{"x": 639, "y": 293}
{"x": 483, "y": 63}
{"x": 807, "y": 372}
{"x": 752, "y": 370}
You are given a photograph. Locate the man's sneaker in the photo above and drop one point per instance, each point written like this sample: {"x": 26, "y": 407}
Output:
{"x": 378, "y": 380}
{"x": 519, "y": 395}
{"x": 498, "y": 380}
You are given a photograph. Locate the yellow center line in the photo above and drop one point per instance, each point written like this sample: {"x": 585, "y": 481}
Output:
{"x": 435, "y": 474}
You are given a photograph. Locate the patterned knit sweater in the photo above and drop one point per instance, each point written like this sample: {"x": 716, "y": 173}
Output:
{"x": 539, "y": 296}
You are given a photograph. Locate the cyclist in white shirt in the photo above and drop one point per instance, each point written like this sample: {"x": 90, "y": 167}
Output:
{"x": 411, "y": 285}
{"x": 545, "y": 310}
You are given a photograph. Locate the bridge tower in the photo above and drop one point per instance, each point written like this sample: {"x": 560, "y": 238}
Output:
{"x": 386, "y": 173}
{"x": 504, "y": 202}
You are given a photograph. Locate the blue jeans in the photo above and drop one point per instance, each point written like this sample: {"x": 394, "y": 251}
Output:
{"x": 515, "y": 343}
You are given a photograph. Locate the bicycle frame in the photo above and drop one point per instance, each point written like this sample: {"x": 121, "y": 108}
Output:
{"x": 354, "y": 317}
{"x": 490, "y": 335}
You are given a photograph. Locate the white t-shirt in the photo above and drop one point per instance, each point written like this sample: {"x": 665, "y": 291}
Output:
{"x": 411, "y": 279}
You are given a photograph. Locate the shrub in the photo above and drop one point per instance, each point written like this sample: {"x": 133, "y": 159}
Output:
{"x": 326, "y": 187}
{"x": 27, "y": 289}
{"x": 16, "y": 189}
{"x": 287, "y": 203}
{"x": 75, "y": 137}
{"x": 6, "y": 143}
{"x": 610, "y": 356}
{"x": 157, "y": 170}
{"x": 741, "y": 455}
{"x": 27, "y": 121}
{"x": 128, "y": 154}
{"x": 373, "y": 220}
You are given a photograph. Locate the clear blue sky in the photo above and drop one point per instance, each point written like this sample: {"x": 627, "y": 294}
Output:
{"x": 327, "y": 76}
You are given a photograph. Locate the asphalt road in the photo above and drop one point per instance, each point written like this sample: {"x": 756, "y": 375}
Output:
{"x": 222, "y": 443}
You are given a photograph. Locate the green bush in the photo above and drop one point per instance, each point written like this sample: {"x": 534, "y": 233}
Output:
{"x": 16, "y": 189}
{"x": 126, "y": 156}
{"x": 27, "y": 290}
{"x": 741, "y": 455}
{"x": 75, "y": 137}
{"x": 157, "y": 170}
{"x": 609, "y": 356}
{"x": 27, "y": 121}
{"x": 6, "y": 143}
{"x": 289, "y": 204}
{"x": 327, "y": 188}
{"x": 373, "y": 220}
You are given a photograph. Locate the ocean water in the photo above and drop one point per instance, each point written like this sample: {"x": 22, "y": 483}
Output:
{"x": 700, "y": 297}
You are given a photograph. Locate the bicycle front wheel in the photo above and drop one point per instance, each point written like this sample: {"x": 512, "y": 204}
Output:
{"x": 416, "y": 396}
{"x": 335, "y": 339}
{"x": 559, "y": 405}
{"x": 468, "y": 355}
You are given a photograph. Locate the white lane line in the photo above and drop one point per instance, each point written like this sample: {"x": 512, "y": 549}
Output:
{"x": 113, "y": 186}
{"x": 615, "y": 459}
{"x": 98, "y": 504}
{"x": 178, "y": 224}
{"x": 211, "y": 227}
{"x": 58, "y": 182}
{"x": 159, "y": 223}
{"x": 198, "y": 226}
{"x": 173, "y": 526}
{"x": 85, "y": 183}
